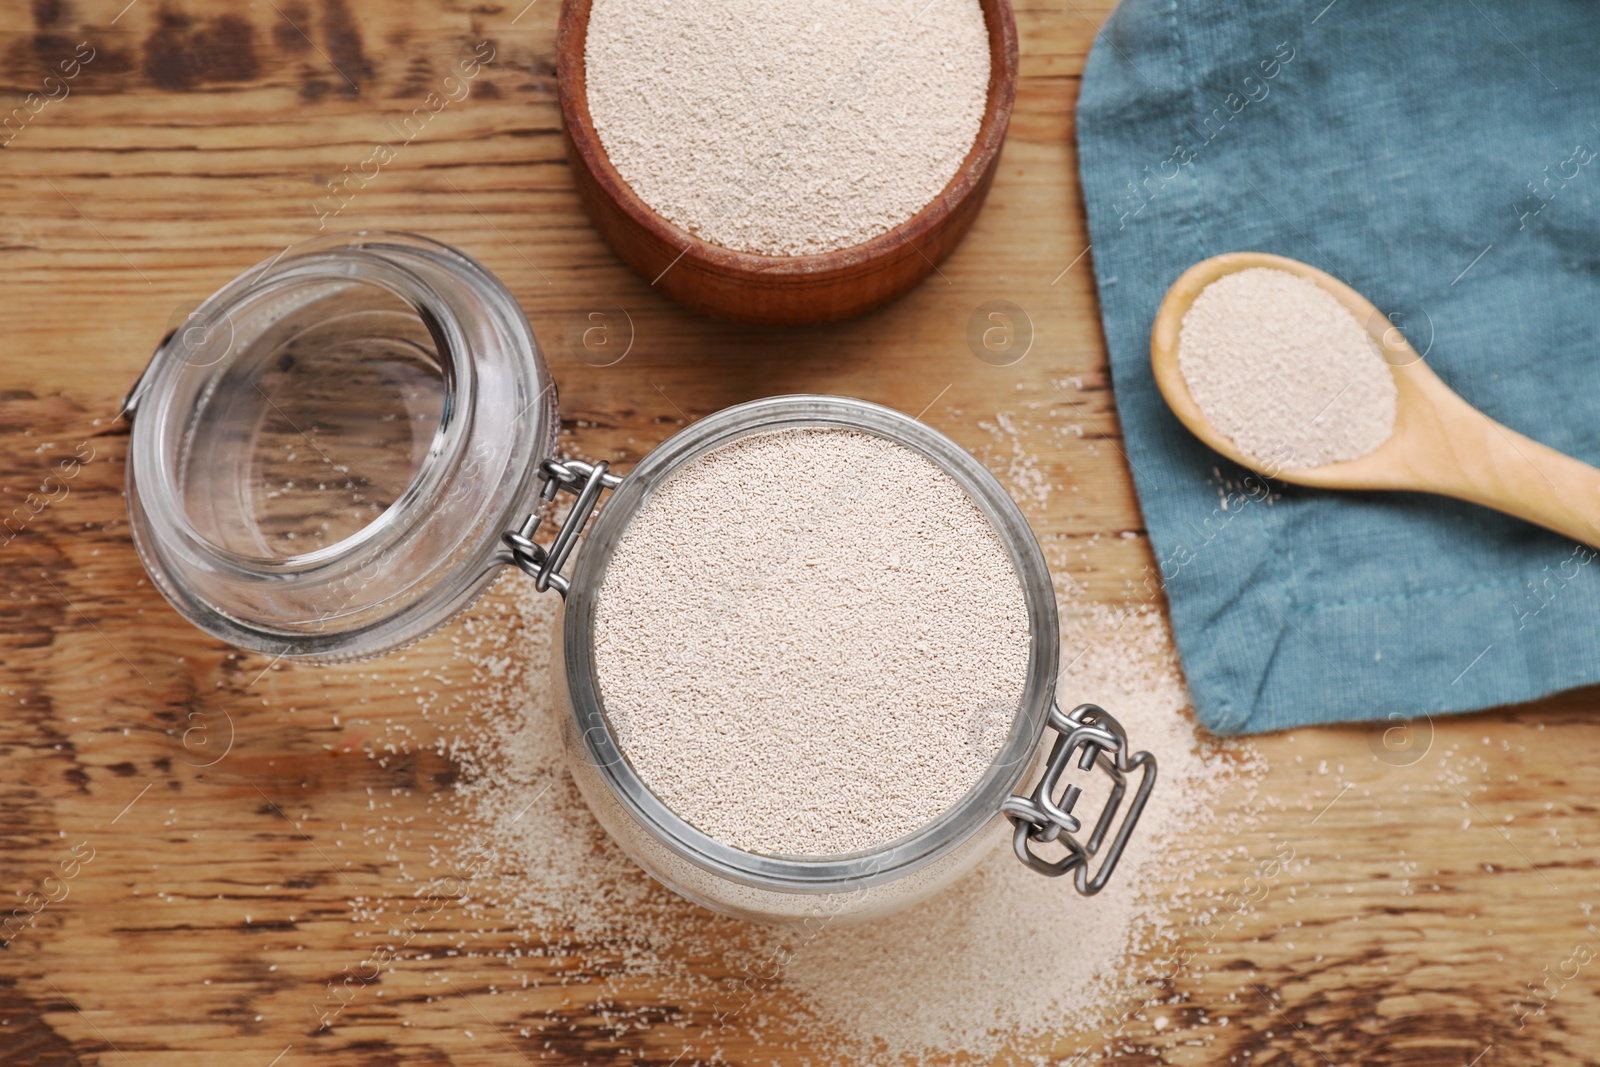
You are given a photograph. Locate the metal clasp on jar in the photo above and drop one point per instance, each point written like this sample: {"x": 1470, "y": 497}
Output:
{"x": 1038, "y": 818}
{"x": 543, "y": 565}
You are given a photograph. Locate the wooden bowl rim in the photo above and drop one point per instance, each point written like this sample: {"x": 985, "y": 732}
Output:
{"x": 572, "y": 88}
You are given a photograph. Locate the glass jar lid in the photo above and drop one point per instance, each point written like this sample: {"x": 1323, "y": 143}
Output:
{"x": 325, "y": 455}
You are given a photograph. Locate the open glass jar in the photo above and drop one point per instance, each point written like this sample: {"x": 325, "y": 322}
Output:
{"x": 345, "y": 445}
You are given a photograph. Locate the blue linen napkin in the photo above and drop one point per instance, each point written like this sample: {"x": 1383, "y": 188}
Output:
{"x": 1442, "y": 160}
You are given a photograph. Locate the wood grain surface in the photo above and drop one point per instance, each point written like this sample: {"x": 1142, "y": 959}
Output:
{"x": 188, "y": 914}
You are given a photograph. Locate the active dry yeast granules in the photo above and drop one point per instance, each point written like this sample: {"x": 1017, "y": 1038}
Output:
{"x": 1284, "y": 371}
{"x": 810, "y": 642}
{"x": 787, "y": 127}
{"x": 559, "y": 922}
{"x": 1004, "y": 963}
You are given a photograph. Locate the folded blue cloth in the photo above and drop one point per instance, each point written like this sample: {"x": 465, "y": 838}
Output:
{"x": 1441, "y": 159}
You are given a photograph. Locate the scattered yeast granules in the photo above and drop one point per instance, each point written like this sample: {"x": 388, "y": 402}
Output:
{"x": 787, "y": 127}
{"x": 1003, "y": 965}
{"x": 1284, "y": 371}
{"x": 810, "y": 641}
{"x": 1003, "y": 961}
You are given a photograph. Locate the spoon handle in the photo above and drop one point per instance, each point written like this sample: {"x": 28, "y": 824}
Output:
{"x": 1472, "y": 457}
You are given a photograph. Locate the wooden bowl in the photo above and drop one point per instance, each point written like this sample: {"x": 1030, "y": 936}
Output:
{"x": 780, "y": 290}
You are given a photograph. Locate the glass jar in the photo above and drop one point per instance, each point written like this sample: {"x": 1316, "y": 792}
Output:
{"x": 345, "y": 445}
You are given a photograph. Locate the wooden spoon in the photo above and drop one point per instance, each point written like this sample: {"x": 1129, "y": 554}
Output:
{"x": 1441, "y": 444}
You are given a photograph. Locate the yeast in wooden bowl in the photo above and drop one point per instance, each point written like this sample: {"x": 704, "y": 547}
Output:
{"x": 777, "y": 289}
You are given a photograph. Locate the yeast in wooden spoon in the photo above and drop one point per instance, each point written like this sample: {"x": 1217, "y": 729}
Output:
{"x": 1253, "y": 356}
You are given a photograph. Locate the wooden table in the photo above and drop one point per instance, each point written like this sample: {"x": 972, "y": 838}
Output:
{"x": 191, "y": 146}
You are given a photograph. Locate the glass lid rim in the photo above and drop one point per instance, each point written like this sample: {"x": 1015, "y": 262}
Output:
{"x": 477, "y": 324}
{"x": 456, "y": 370}
{"x": 969, "y": 814}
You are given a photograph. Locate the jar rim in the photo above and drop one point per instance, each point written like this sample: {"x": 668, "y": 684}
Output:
{"x": 436, "y": 543}
{"x": 977, "y": 808}
{"x": 310, "y": 266}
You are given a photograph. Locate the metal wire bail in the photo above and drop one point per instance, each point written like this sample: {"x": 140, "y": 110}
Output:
{"x": 543, "y": 565}
{"x": 1039, "y": 818}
